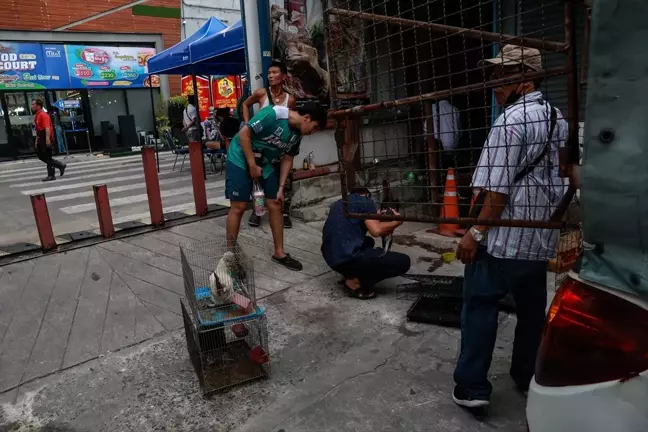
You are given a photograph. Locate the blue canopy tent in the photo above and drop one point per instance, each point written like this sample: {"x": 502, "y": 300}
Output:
{"x": 213, "y": 50}
{"x": 177, "y": 59}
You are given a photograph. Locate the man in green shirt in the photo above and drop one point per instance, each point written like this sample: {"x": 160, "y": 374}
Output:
{"x": 272, "y": 136}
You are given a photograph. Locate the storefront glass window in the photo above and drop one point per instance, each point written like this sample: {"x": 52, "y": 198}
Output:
{"x": 106, "y": 105}
{"x": 139, "y": 105}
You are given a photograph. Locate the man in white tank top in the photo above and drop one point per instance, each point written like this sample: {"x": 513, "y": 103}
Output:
{"x": 274, "y": 94}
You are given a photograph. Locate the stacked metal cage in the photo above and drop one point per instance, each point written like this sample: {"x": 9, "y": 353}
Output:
{"x": 226, "y": 332}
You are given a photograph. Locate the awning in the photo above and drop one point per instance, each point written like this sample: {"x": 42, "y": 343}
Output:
{"x": 222, "y": 53}
{"x": 177, "y": 59}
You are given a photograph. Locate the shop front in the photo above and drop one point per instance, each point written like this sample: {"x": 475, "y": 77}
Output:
{"x": 100, "y": 98}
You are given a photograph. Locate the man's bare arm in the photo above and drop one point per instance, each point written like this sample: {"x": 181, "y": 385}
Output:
{"x": 292, "y": 102}
{"x": 493, "y": 207}
{"x": 48, "y": 132}
{"x": 255, "y": 97}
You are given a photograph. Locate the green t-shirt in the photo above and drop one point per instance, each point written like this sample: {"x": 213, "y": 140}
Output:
{"x": 272, "y": 138}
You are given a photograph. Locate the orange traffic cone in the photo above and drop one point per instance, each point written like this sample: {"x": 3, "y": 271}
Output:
{"x": 450, "y": 208}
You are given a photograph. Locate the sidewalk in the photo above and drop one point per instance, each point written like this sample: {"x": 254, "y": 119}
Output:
{"x": 92, "y": 341}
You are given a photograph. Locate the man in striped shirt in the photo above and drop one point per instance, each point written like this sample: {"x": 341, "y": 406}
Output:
{"x": 517, "y": 177}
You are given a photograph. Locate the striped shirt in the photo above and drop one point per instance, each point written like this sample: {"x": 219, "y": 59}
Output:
{"x": 517, "y": 138}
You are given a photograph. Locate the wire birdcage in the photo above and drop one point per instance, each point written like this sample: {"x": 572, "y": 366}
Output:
{"x": 229, "y": 353}
{"x": 218, "y": 279}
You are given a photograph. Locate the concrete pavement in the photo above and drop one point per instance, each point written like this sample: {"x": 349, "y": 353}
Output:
{"x": 91, "y": 341}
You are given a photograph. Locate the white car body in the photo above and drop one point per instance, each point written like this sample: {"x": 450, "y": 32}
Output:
{"x": 611, "y": 406}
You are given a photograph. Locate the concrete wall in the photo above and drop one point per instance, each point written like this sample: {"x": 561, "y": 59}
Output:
{"x": 196, "y": 12}
{"x": 383, "y": 142}
{"x": 322, "y": 144}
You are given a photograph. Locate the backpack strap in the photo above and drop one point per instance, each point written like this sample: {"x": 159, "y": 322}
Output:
{"x": 530, "y": 167}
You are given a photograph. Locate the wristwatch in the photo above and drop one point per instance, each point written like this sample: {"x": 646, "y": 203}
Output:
{"x": 479, "y": 236}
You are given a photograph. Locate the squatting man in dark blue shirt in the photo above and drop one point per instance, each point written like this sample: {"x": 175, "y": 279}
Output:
{"x": 349, "y": 251}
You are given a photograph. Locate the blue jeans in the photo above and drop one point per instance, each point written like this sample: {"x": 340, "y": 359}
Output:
{"x": 486, "y": 282}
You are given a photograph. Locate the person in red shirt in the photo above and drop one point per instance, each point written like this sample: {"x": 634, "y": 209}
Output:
{"x": 45, "y": 139}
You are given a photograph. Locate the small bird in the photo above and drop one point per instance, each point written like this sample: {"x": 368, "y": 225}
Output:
{"x": 221, "y": 283}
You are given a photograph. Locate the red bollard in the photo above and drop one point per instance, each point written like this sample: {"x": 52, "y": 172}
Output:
{"x": 152, "y": 186}
{"x": 198, "y": 177}
{"x": 43, "y": 222}
{"x": 103, "y": 210}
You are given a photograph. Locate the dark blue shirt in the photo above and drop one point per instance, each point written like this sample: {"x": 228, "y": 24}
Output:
{"x": 342, "y": 237}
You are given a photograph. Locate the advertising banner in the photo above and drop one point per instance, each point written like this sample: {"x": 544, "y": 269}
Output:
{"x": 225, "y": 91}
{"x": 203, "y": 93}
{"x": 32, "y": 66}
{"x": 101, "y": 66}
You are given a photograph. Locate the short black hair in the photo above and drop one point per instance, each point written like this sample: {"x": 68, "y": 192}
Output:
{"x": 316, "y": 112}
{"x": 360, "y": 191}
{"x": 282, "y": 67}
{"x": 38, "y": 102}
{"x": 191, "y": 99}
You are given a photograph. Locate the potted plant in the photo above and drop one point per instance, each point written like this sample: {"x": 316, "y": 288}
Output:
{"x": 176, "y": 106}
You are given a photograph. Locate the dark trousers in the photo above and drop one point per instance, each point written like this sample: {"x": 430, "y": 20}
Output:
{"x": 44, "y": 153}
{"x": 370, "y": 266}
{"x": 486, "y": 282}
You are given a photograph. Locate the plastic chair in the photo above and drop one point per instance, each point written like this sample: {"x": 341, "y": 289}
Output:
{"x": 176, "y": 150}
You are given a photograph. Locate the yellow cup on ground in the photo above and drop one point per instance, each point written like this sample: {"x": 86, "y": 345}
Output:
{"x": 448, "y": 257}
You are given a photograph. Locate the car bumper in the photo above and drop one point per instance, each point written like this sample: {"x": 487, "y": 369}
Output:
{"x": 602, "y": 407}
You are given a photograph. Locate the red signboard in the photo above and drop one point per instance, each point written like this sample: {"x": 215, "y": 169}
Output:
{"x": 203, "y": 93}
{"x": 226, "y": 91}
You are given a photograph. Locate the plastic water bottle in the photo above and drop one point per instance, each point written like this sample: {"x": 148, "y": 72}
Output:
{"x": 258, "y": 197}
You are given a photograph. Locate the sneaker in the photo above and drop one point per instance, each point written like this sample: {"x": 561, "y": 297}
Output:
{"x": 62, "y": 170}
{"x": 289, "y": 262}
{"x": 255, "y": 220}
{"x": 49, "y": 178}
{"x": 462, "y": 399}
{"x": 287, "y": 221}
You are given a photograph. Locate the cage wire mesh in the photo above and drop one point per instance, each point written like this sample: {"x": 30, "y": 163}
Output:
{"x": 229, "y": 353}
{"x": 226, "y": 332}
{"x": 418, "y": 88}
{"x": 218, "y": 279}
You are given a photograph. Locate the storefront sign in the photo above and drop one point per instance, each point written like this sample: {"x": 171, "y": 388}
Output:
{"x": 203, "y": 93}
{"x": 101, "y": 66}
{"x": 225, "y": 91}
{"x": 65, "y": 104}
{"x": 32, "y": 66}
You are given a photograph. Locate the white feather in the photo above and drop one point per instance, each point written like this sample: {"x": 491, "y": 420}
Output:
{"x": 221, "y": 283}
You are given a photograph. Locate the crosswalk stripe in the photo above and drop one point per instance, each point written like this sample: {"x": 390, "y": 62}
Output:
{"x": 80, "y": 208}
{"x": 72, "y": 171}
{"x": 85, "y": 184}
{"x": 106, "y": 175}
{"x": 185, "y": 208}
{"x": 113, "y": 190}
{"x": 38, "y": 165}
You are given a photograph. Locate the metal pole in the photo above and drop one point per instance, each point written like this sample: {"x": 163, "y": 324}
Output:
{"x": 89, "y": 144}
{"x": 43, "y": 222}
{"x": 155, "y": 131}
{"x": 104, "y": 214}
{"x": 198, "y": 177}
{"x": 152, "y": 187}
{"x": 252, "y": 45}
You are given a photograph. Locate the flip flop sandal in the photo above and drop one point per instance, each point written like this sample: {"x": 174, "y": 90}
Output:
{"x": 289, "y": 262}
{"x": 360, "y": 293}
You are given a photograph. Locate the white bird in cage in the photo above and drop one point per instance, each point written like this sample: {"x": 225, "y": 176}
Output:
{"x": 221, "y": 283}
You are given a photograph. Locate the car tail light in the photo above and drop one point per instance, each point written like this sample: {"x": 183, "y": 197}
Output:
{"x": 591, "y": 336}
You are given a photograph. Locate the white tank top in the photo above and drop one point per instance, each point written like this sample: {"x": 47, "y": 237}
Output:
{"x": 266, "y": 102}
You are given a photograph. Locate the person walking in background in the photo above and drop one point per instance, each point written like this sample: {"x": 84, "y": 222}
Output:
{"x": 517, "y": 179}
{"x": 273, "y": 95}
{"x": 190, "y": 120}
{"x": 45, "y": 140}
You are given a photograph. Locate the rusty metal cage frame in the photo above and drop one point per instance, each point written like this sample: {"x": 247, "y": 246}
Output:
{"x": 347, "y": 118}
